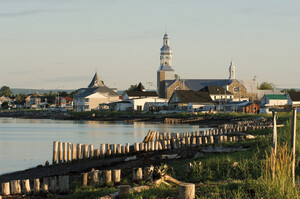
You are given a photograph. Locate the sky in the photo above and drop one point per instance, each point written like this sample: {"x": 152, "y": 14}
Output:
{"x": 60, "y": 44}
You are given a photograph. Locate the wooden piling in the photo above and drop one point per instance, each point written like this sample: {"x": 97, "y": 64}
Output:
{"x": 107, "y": 176}
{"x": 45, "y": 185}
{"x": 69, "y": 154}
{"x": 73, "y": 152}
{"x": 55, "y": 148}
{"x": 15, "y": 187}
{"x": 91, "y": 151}
{"x": 93, "y": 177}
{"x": 102, "y": 150}
{"x": 96, "y": 153}
{"x": 116, "y": 175}
{"x": 65, "y": 151}
{"x": 26, "y": 186}
{"x": 5, "y": 188}
{"x": 60, "y": 152}
{"x": 137, "y": 174}
{"x": 84, "y": 179}
{"x": 36, "y": 185}
{"x": 186, "y": 191}
{"x": 79, "y": 152}
{"x": 127, "y": 148}
{"x": 136, "y": 147}
{"x": 85, "y": 151}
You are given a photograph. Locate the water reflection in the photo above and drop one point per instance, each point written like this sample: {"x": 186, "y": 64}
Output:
{"x": 26, "y": 143}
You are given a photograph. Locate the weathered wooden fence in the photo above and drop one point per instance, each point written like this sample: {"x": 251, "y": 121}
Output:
{"x": 155, "y": 141}
{"x": 55, "y": 184}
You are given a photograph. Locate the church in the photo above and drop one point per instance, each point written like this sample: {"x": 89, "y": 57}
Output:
{"x": 167, "y": 83}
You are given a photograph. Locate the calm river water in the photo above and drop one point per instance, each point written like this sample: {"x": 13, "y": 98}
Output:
{"x": 25, "y": 143}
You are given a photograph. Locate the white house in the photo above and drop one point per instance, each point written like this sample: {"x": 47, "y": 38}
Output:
{"x": 138, "y": 100}
{"x": 272, "y": 100}
{"x": 97, "y": 93}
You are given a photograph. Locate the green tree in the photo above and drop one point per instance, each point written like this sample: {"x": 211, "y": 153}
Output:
{"x": 289, "y": 90}
{"x": 4, "y": 105}
{"x": 266, "y": 86}
{"x": 132, "y": 87}
{"x": 5, "y": 90}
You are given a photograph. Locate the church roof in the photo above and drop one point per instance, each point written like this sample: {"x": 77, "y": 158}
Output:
{"x": 141, "y": 93}
{"x": 187, "y": 96}
{"x": 216, "y": 90}
{"x": 96, "y": 81}
{"x": 198, "y": 84}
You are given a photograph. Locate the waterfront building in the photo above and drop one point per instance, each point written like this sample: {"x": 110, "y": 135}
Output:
{"x": 94, "y": 96}
{"x": 272, "y": 100}
{"x": 191, "y": 101}
{"x": 138, "y": 100}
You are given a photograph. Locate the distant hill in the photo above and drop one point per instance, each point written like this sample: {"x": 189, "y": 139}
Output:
{"x": 31, "y": 91}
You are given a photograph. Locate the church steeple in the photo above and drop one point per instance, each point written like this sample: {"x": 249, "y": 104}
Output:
{"x": 96, "y": 82}
{"x": 165, "y": 71}
{"x": 166, "y": 54}
{"x": 231, "y": 71}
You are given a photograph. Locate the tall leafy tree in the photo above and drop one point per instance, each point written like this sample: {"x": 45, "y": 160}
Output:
{"x": 266, "y": 86}
{"x": 5, "y": 90}
{"x": 132, "y": 87}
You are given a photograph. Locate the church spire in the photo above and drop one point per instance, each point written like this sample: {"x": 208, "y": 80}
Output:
{"x": 166, "y": 54}
{"x": 96, "y": 82}
{"x": 231, "y": 71}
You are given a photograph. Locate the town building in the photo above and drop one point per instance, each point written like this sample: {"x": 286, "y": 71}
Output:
{"x": 191, "y": 101}
{"x": 167, "y": 83}
{"x": 272, "y": 100}
{"x": 138, "y": 100}
{"x": 95, "y": 96}
{"x": 294, "y": 99}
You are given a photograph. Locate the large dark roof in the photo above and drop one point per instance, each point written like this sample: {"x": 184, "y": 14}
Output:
{"x": 101, "y": 89}
{"x": 141, "y": 93}
{"x": 216, "y": 90}
{"x": 295, "y": 96}
{"x": 186, "y": 96}
{"x": 198, "y": 84}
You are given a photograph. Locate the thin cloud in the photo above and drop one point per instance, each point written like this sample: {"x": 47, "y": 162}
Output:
{"x": 29, "y": 12}
{"x": 68, "y": 79}
{"x": 21, "y": 72}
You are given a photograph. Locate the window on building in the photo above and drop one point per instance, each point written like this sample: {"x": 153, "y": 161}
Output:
{"x": 139, "y": 108}
{"x": 87, "y": 107}
{"x": 86, "y": 99}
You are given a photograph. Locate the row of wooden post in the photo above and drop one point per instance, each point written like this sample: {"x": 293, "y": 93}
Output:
{"x": 54, "y": 184}
{"x": 185, "y": 142}
{"x": 157, "y": 136}
{"x": 173, "y": 141}
{"x": 95, "y": 176}
{"x": 67, "y": 152}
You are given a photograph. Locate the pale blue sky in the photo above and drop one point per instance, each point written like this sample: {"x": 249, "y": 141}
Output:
{"x": 61, "y": 43}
